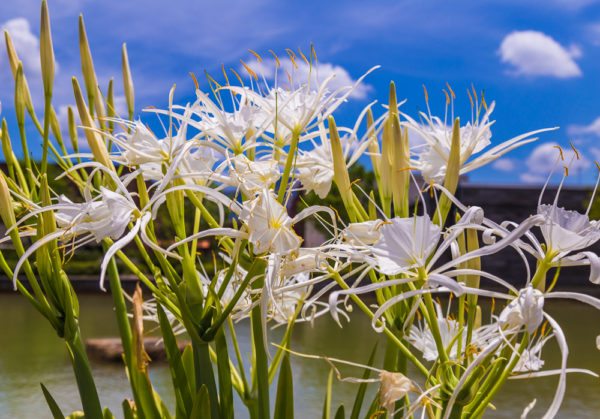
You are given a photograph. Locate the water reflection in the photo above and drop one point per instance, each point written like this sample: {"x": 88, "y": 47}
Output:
{"x": 31, "y": 353}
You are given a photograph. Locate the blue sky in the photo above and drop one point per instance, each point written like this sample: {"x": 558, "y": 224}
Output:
{"x": 539, "y": 60}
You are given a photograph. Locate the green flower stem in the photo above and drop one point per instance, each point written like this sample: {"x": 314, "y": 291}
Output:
{"x": 539, "y": 277}
{"x": 407, "y": 353}
{"x": 433, "y": 323}
{"x": 289, "y": 162}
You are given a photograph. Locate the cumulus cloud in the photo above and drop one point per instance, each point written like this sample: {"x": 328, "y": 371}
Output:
{"x": 505, "y": 165}
{"x": 26, "y": 43}
{"x": 533, "y": 53}
{"x": 315, "y": 75}
{"x": 546, "y": 157}
{"x": 592, "y": 129}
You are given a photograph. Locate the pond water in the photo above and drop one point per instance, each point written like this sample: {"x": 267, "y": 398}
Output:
{"x": 30, "y": 353}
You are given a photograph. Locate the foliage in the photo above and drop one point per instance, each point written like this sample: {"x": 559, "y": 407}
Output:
{"x": 225, "y": 171}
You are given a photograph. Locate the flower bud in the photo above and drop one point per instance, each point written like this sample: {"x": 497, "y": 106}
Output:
{"x": 14, "y": 61}
{"x": 96, "y": 143}
{"x": 46, "y": 51}
{"x": 87, "y": 64}
{"x": 340, "y": 171}
{"x": 7, "y": 212}
{"x": 128, "y": 82}
{"x": 373, "y": 145}
{"x": 20, "y": 95}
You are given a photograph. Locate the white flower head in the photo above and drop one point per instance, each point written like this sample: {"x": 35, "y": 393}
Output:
{"x": 253, "y": 176}
{"x": 475, "y": 137}
{"x": 406, "y": 243}
{"x": 269, "y": 225}
{"x": 364, "y": 233}
{"x": 422, "y": 338}
{"x": 315, "y": 169}
{"x": 106, "y": 217}
{"x": 567, "y": 231}
{"x": 526, "y": 310}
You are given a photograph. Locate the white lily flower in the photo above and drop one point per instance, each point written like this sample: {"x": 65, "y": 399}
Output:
{"x": 531, "y": 358}
{"x": 253, "y": 176}
{"x": 406, "y": 243}
{"x": 269, "y": 225}
{"x": 567, "y": 231}
{"x": 314, "y": 169}
{"x": 364, "y": 233}
{"x": 299, "y": 109}
{"x": 106, "y": 217}
{"x": 527, "y": 310}
{"x": 233, "y": 131}
{"x": 474, "y": 138}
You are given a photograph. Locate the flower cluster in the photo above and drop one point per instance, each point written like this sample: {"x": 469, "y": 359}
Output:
{"x": 232, "y": 168}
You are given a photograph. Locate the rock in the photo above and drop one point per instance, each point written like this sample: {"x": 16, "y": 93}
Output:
{"x": 111, "y": 349}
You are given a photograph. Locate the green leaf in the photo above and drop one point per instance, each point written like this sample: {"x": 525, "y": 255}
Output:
{"x": 127, "y": 410}
{"x": 224, "y": 372}
{"x": 188, "y": 364}
{"x": 340, "y": 413}
{"x": 201, "y": 408}
{"x": 327, "y": 402}
{"x": 108, "y": 414}
{"x": 362, "y": 389}
{"x": 284, "y": 402}
{"x": 205, "y": 375}
{"x": 178, "y": 372}
{"x": 56, "y": 412}
{"x": 85, "y": 380}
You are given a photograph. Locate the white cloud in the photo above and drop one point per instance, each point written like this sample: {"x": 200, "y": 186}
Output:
{"x": 315, "y": 75}
{"x": 546, "y": 157}
{"x": 533, "y": 53}
{"x": 591, "y": 129}
{"x": 505, "y": 165}
{"x": 25, "y": 42}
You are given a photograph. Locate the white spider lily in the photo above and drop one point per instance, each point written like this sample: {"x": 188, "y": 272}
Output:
{"x": 234, "y": 131}
{"x": 82, "y": 223}
{"x": 314, "y": 169}
{"x": 565, "y": 234}
{"x": 107, "y": 217}
{"x": 270, "y": 228}
{"x": 253, "y": 176}
{"x": 531, "y": 358}
{"x": 364, "y": 233}
{"x": 422, "y": 339}
{"x": 142, "y": 146}
{"x": 567, "y": 231}
{"x": 406, "y": 243}
{"x": 527, "y": 310}
{"x": 474, "y": 138}
{"x": 269, "y": 225}
{"x": 299, "y": 109}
